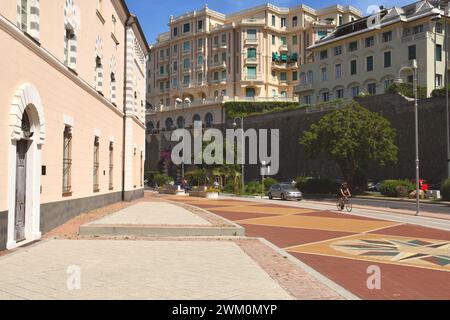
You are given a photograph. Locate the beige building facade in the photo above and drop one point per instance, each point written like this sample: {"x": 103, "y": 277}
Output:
{"x": 208, "y": 58}
{"x": 365, "y": 56}
{"x": 72, "y": 120}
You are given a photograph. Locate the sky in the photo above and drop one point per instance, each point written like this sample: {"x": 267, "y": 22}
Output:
{"x": 154, "y": 14}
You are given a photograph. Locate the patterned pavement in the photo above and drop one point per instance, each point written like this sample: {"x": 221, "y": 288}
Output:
{"x": 414, "y": 261}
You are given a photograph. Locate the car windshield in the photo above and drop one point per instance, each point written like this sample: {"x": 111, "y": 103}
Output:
{"x": 288, "y": 187}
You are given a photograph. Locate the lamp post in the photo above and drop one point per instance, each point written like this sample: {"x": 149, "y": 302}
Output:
{"x": 413, "y": 67}
{"x": 241, "y": 119}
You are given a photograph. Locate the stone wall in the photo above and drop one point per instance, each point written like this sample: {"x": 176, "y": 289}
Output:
{"x": 399, "y": 111}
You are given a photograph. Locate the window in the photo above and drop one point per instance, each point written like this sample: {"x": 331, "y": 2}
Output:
{"x": 387, "y": 59}
{"x": 161, "y": 70}
{"x": 113, "y": 88}
{"x": 200, "y": 25}
{"x": 199, "y": 60}
{"x": 438, "y": 80}
{"x": 175, "y": 31}
{"x": 209, "y": 119}
{"x": 294, "y": 21}
{"x": 67, "y": 161}
{"x": 438, "y": 52}
{"x": 186, "y": 63}
{"x": 186, "y": 28}
{"x": 186, "y": 80}
{"x": 324, "y": 74}
{"x": 355, "y": 91}
{"x": 98, "y": 74}
{"x": 353, "y": 46}
{"x": 412, "y": 52}
{"x": 251, "y": 53}
{"x": 338, "y": 71}
{"x": 325, "y": 96}
{"x": 150, "y": 127}
{"x": 438, "y": 27}
{"x": 200, "y": 78}
{"x": 251, "y": 34}
{"x": 418, "y": 29}
{"x": 196, "y": 118}
{"x": 28, "y": 17}
{"x": 341, "y": 20}
{"x": 283, "y": 76}
{"x": 96, "y": 164}
{"x": 337, "y": 50}
{"x": 369, "y": 63}
{"x": 251, "y": 72}
{"x": 323, "y": 54}
{"x": 111, "y": 164}
{"x": 372, "y": 88}
{"x": 306, "y": 99}
{"x": 370, "y": 41}
{"x": 180, "y": 122}
{"x": 175, "y": 66}
{"x": 283, "y": 40}
{"x": 353, "y": 68}
{"x": 186, "y": 46}
{"x": 250, "y": 92}
{"x": 70, "y": 49}
{"x": 273, "y": 40}
{"x": 169, "y": 124}
{"x": 283, "y": 22}
{"x": 388, "y": 83}
{"x": 387, "y": 36}
{"x": 294, "y": 76}
{"x": 274, "y": 21}
{"x": 224, "y": 39}
{"x": 340, "y": 94}
{"x": 294, "y": 40}
{"x": 310, "y": 76}
{"x": 302, "y": 78}
{"x": 200, "y": 43}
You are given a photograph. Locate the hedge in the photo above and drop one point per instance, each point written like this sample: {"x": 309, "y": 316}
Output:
{"x": 238, "y": 109}
{"x": 317, "y": 185}
{"x": 445, "y": 190}
{"x": 394, "y": 188}
{"x": 439, "y": 92}
{"x": 406, "y": 89}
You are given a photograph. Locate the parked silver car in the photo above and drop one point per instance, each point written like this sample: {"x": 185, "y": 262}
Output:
{"x": 285, "y": 192}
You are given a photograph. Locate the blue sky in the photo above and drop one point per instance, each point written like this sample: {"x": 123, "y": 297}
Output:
{"x": 154, "y": 14}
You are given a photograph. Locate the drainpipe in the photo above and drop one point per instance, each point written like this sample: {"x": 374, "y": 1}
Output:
{"x": 127, "y": 23}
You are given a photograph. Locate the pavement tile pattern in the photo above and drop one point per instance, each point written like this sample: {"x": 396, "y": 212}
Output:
{"x": 414, "y": 260}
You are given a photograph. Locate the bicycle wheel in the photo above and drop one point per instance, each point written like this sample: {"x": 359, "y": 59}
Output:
{"x": 339, "y": 205}
{"x": 348, "y": 206}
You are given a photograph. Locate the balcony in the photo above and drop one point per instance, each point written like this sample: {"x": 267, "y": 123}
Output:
{"x": 260, "y": 99}
{"x": 283, "y": 48}
{"x": 252, "y": 78}
{"x": 218, "y": 81}
{"x": 251, "y": 61}
{"x": 161, "y": 76}
{"x": 253, "y": 22}
{"x": 220, "y": 46}
{"x": 251, "y": 42}
{"x": 279, "y": 65}
{"x": 218, "y": 65}
{"x": 304, "y": 87}
{"x": 186, "y": 52}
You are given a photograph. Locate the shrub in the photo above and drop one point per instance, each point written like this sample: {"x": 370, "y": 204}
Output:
{"x": 445, "y": 190}
{"x": 235, "y": 109}
{"x": 268, "y": 182}
{"x": 438, "y": 92}
{"x": 253, "y": 187}
{"x": 396, "y": 188}
{"x": 317, "y": 185}
{"x": 406, "y": 89}
{"x": 161, "y": 179}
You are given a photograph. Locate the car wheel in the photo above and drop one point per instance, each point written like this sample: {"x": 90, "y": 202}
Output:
{"x": 283, "y": 197}
{"x": 270, "y": 196}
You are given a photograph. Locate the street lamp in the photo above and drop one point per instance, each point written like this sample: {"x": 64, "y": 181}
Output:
{"x": 241, "y": 119}
{"x": 413, "y": 67}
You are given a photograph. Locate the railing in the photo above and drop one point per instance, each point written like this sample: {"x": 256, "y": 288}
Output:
{"x": 251, "y": 60}
{"x": 260, "y": 99}
{"x": 218, "y": 65}
{"x": 250, "y": 41}
{"x": 304, "y": 87}
{"x": 246, "y": 77}
{"x": 283, "y": 48}
{"x": 253, "y": 21}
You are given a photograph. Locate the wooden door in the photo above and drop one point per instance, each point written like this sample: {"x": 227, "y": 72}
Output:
{"x": 21, "y": 183}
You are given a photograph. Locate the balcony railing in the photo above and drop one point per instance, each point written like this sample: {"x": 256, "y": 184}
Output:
{"x": 284, "y": 48}
{"x": 251, "y": 41}
{"x": 218, "y": 65}
{"x": 251, "y": 60}
{"x": 304, "y": 87}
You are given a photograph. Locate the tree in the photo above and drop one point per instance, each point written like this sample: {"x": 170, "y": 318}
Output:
{"x": 354, "y": 138}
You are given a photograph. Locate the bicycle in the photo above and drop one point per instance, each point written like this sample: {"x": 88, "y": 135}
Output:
{"x": 344, "y": 203}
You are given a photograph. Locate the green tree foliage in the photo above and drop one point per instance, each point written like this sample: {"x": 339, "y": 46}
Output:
{"x": 445, "y": 190}
{"x": 354, "y": 138}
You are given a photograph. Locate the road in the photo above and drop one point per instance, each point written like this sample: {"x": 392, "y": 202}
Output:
{"x": 391, "y": 204}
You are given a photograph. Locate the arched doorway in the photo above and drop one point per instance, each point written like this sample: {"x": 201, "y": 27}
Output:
{"x": 27, "y": 126}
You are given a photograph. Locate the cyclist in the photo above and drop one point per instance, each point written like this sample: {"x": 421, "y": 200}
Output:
{"x": 344, "y": 194}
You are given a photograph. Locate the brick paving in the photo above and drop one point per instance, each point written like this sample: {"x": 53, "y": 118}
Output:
{"x": 414, "y": 260}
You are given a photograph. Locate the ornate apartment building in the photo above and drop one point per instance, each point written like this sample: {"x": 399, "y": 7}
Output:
{"x": 72, "y": 111}
{"x": 208, "y": 58}
{"x": 365, "y": 56}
